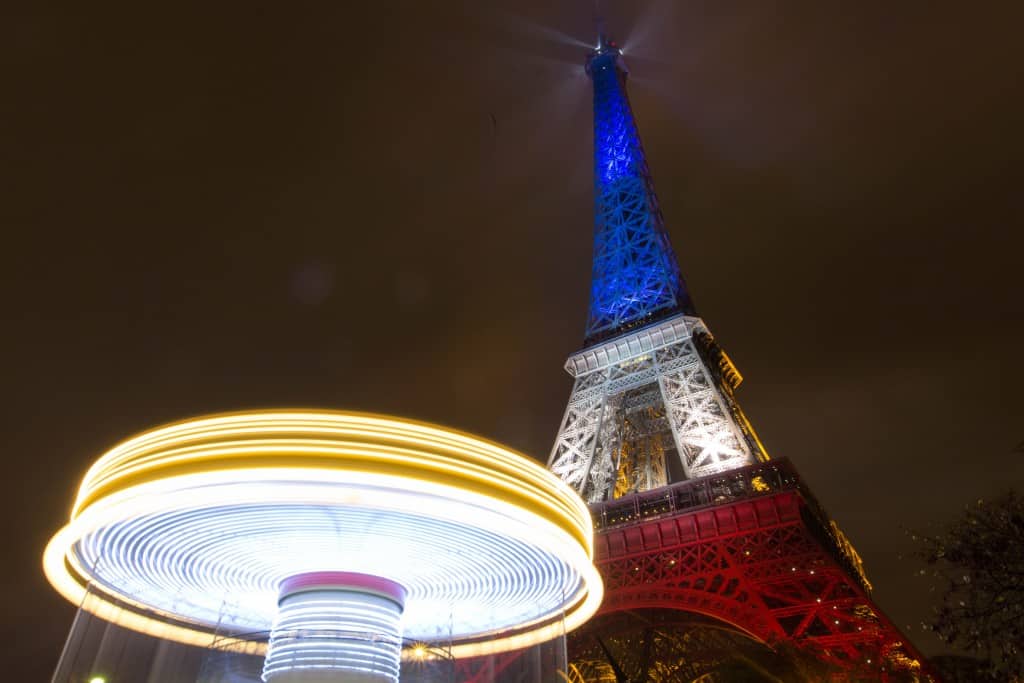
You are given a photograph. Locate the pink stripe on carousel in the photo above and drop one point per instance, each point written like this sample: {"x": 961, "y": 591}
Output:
{"x": 351, "y": 581}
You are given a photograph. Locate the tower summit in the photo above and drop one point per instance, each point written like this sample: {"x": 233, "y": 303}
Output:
{"x": 652, "y": 403}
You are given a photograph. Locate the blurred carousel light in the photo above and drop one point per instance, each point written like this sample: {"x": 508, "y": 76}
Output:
{"x": 211, "y": 524}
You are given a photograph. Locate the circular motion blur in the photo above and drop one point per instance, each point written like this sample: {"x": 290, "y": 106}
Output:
{"x": 342, "y": 534}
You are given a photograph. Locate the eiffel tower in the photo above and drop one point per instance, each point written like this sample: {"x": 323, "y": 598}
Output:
{"x": 698, "y": 529}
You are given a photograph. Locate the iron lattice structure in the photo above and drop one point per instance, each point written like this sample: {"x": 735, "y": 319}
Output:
{"x": 753, "y": 549}
{"x": 673, "y": 372}
{"x": 692, "y": 516}
{"x": 636, "y": 277}
{"x": 663, "y": 645}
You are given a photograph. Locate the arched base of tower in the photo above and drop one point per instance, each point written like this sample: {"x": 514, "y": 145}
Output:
{"x": 669, "y": 646}
{"x": 753, "y": 550}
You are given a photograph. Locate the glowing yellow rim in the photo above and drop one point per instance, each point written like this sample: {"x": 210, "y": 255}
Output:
{"x": 291, "y": 444}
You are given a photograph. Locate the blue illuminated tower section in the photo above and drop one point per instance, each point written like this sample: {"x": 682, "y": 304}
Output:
{"x": 636, "y": 278}
{"x": 653, "y": 402}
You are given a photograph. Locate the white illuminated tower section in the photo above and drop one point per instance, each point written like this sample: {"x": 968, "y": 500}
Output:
{"x": 652, "y": 402}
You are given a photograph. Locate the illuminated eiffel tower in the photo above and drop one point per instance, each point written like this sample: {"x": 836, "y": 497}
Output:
{"x": 695, "y": 523}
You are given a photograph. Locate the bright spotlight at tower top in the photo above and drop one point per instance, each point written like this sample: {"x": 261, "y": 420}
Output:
{"x": 212, "y": 523}
{"x": 606, "y": 44}
{"x": 607, "y": 53}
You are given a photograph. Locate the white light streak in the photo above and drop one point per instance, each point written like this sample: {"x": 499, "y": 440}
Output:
{"x": 331, "y": 635}
{"x": 195, "y": 526}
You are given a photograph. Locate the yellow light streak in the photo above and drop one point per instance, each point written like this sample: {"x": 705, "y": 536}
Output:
{"x": 321, "y": 457}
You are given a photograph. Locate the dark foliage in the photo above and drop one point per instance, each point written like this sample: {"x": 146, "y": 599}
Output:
{"x": 961, "y": 669}
{"x": 978, "y": 565}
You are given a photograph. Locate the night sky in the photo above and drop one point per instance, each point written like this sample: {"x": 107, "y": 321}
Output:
{"x": 242, "y": 205}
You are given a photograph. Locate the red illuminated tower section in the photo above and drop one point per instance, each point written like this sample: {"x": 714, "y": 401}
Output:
{"x": 696, "y": 526}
